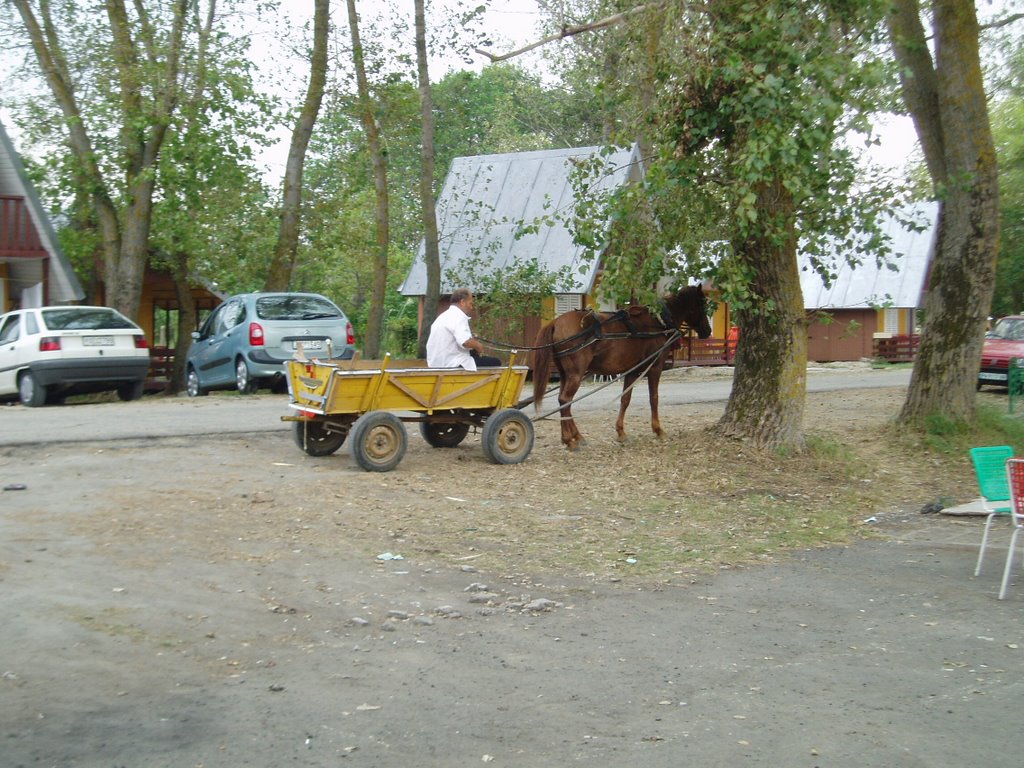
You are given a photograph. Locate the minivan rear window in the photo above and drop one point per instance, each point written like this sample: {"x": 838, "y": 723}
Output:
{"x": 294, "y": 307}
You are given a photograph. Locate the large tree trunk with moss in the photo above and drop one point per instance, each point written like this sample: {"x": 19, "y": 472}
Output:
{"x": 375, "y": 317}
{"x": 947, "y": 100}
{"x": 431, "y": 253}
{"x": 279, "y": 275}
{"x": 766, "y": 405}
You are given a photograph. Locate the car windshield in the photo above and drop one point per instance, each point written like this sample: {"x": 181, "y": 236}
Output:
{"x": 84, "y": 319}
{"x": 294, "y": 307}
{"x": 1010, "y": 328}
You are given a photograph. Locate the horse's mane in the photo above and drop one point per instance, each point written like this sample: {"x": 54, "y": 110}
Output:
{"x": 677, "y": 303}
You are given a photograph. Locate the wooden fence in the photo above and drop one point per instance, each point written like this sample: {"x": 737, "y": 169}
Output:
{"x": 896, "y": 349}
{"x": 711, "y": 351}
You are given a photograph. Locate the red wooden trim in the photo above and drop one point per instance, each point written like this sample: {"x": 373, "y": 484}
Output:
{"x": 19, "y": 237}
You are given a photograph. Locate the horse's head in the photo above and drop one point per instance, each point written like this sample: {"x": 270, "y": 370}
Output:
{"x": 690, "y": 306}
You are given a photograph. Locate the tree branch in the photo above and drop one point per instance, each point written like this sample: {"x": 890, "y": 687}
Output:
{"x": 570, "y": 31}
{"x": 1004, "y": 22}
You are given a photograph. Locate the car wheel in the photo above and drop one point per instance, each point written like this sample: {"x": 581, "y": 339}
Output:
{"x": 192, "y": 385}
{"x": 245, "y": 383}
{"x": 30, "y": 391}
{"x": 131, "y": 390}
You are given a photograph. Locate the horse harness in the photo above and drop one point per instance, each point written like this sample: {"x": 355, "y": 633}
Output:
{"x": 594, "y": 332}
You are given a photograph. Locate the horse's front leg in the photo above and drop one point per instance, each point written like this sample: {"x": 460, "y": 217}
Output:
{"x": 627, "y": 395}
{"x": 652, "y": 390}
{"x": 571, "y": 436}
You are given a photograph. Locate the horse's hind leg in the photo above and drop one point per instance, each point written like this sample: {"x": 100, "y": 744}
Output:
{"x": 627, "y": 395}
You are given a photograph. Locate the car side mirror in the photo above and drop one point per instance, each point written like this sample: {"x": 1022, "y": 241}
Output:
{"x": 195, "y": 335}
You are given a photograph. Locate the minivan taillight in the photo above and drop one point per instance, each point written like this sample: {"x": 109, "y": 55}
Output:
{"x": 255, "y": 335}
{"x": 141, "y": 343}
{"x": 350, "y": 335}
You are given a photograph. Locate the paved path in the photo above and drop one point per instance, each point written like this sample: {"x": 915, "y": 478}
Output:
{"x": 228, "y": 413}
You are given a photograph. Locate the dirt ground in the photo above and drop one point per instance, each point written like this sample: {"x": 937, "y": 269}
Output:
{"x": 232, "y": 602}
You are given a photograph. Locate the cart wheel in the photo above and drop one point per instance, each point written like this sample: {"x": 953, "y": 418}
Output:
{"x": 316, "y": 439}
{"x": 378, "y": 441}
{"x": 443, "y": 434}
{"x": 508, "y": 436}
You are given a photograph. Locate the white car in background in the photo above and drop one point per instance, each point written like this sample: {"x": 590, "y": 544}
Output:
{"x": 48, "y": 353}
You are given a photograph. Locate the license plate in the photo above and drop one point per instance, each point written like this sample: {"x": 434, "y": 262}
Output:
{"x": 985, "y": 376}
{"x": 97, "y": 341}
{"x": 307, "y": 345}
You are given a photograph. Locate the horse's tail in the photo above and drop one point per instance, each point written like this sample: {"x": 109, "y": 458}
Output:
{"x": 543, "y": 359}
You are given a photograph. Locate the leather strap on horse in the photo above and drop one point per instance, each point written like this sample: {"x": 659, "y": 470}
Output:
{"x": 590, "y": 334}
{"x": 674, "y": 336}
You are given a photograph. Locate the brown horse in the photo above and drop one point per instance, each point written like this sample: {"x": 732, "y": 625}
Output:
{"x": 584, "y": 341}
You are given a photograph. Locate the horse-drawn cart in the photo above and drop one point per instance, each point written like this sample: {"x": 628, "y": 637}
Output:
{"x": 366, "y": 401}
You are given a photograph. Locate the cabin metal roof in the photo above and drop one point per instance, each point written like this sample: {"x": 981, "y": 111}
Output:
{"x": 898, "y": 281}
{"x": 486, "y": 199}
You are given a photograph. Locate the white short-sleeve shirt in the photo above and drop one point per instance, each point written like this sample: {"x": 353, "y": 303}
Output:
{"x": 447, "y": 335}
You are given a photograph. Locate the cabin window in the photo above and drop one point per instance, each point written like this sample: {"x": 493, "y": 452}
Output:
{"x": 892, "y": 320}
{"x": 565, "y": 302}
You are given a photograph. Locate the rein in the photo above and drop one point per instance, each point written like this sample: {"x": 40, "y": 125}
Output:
{"x": 674, "y": 336}
{"x": 591, "y": 335}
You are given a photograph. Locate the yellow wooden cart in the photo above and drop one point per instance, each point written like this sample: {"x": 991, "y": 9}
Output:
{"x": 366, "y": 401}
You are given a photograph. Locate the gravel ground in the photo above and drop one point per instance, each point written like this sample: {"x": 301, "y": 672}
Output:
{"x": 231, "y": 602}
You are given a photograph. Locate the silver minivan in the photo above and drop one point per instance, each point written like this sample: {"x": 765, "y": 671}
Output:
{"x": 244, "y": 343}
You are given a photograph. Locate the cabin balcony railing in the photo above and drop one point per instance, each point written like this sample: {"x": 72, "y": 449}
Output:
{"x": 896, "y": 349}
{"x": 18, "y": 235}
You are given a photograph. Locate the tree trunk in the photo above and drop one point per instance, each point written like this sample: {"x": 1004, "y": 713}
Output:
{"x": 187, "y": 321}
{"x": 125, "y": 247}
{"x": 375, "y": 317}
{"x": 954, "y": 128}
{"x": 431, "y": 252}
{"x": 766, "y": 404}
{"x": 279, "y": 275}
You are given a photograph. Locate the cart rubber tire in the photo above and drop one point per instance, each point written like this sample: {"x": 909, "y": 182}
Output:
{"x": 440, "y": 434}
{"x": 378, "y": 441}
{"x": 508, "y": 436}
{"x": 316, "y": 440}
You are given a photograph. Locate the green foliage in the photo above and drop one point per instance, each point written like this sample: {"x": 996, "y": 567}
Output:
{"x": 209, "y": 205}
{"x": 992, "y": 426}
{"x": 505, "y": 295}
{"x": 1008, "y": 131}
{"x": 757, "y": 102}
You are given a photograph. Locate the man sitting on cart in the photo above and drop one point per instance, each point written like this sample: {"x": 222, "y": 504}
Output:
{"x": 451, "y": 343}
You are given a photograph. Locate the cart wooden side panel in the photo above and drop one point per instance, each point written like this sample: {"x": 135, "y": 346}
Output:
{"x": 331, "y": 389}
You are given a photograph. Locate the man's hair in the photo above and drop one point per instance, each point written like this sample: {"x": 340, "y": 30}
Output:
{"x": 460, "y": 294}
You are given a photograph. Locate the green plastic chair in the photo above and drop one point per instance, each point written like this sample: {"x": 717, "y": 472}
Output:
{"x": 990, "y": 469}
{"x": 1015, "y": 478}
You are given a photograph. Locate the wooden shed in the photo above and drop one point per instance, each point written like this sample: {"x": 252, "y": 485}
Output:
{"x": 34, "y": 271}
{"x": 870, "y": 308}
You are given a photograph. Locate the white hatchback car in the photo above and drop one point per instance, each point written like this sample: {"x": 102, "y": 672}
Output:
{"x": 48, "y": 353}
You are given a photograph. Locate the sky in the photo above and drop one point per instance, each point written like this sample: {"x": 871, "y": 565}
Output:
{"x": 512, "y": 24}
